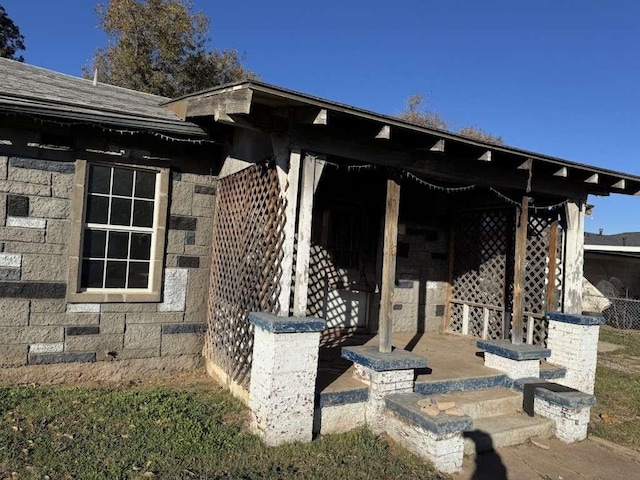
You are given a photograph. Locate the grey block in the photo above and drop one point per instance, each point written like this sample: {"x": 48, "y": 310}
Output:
{"x": 190, "y": 343}
{"x": 178, "y": 222}
{"x": 176, "y": 176}
{"x": 44, "y": 268}
{"x": 142, "y": 336}
{"x": 50, "y": 208}
{"x": 9, "y": 274}
{"x": 128, "y": 307}
{"x": 112, "y": 323}
{"x": 71, "y": 331}
{"x": 17, "y": 206}
{"x": 66, "y": 357}
{"x": 12, "y": 335}
{"x": 32, "y": 290}
{"x": 190, "y": 238}
{"x": 178, "y": 328}
{"x": 47, "y": 165}
{"x": 13, "y": 355}
{"x": 65, "y": 319}
{"x": 14, "y": 313}
{"x": 48, "y": 306}
{"x": 188, "y": 262}
{"x": 205, "y": 189}
{"x": 155, "y": 317}
{"x": 29, "y": 175}
{"x": 62, "y": 185}
{"x": 181, "y": 198}
{"x": 21, "y": 235}
{"x": 439, "y": 310}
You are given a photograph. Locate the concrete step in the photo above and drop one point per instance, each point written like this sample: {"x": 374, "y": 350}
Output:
{"x": 505, "y": 430}
{"x": 488, "y": 402}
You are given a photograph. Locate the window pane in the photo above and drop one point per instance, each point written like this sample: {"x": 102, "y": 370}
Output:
{"x": 118, "y": 244}
{"x": 97, "y": 209}
{"x": 99, "y": 179}
{"x": 140, "y": 246}
{"x": 91, "y": 276}
{"x": 116, "y": 274}
{"x": 120, "y": 211}
{"x": 122, "y": 182}
{"x": 145, "y": 184}
{"x": 94, "y": 243}
{"x": 143, "y": 213}
{"x": 138, "y": 275}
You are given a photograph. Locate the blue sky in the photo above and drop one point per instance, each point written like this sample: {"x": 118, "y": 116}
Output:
{"x": 558, "y": 77}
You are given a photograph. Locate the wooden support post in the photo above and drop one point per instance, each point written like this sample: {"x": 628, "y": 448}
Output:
{"x": 485, "y": 323}
{"x": 389, "y": 264}
{"x": 290, "y": 193}
{"x": 574, "y": 258}
{"x": 465, "y": 319}
{"x": 530, "y": 322}
{"x": 519, "y": 273}
{"x": 447, "y": 309}
{"x": 307, "y": 187}
{"x": 551, "y": 278}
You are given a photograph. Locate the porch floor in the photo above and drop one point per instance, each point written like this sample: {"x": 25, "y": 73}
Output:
{"x": 449, "y": 357}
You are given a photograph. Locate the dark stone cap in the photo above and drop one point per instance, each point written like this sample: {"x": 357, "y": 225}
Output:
{"x": 504, "y": 348}
{"x": 272, "y": 323}
{"x": 573, "y": 399}
{"x": 576, "y": 319}
{"x": 370, "y": 357}
{"x": 406, "y": 406}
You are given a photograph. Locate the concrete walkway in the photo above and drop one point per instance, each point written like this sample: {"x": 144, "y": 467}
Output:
{"x": 591, "y": 459}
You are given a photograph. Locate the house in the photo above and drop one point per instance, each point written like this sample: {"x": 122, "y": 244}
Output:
{"x": 611, "y": 264}
{"x": 268, "y": 228}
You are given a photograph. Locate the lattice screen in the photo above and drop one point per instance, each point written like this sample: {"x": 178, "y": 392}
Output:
{"x": 245, "y": 266}
{"x": 483, "y": 273}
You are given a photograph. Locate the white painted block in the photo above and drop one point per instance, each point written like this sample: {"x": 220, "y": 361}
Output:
{"x": 46, "y": 347}
{"x": 10, "y": 260}
{"x": 175, "y": 290}
{"x": 26, "y": 222}
{"x": 83, "y": 308}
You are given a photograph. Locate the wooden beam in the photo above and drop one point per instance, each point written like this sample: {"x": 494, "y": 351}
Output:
{"x": 486, "y": 156}
{"x": 434, "y": 165}
{"x": 620, "y": 184}
{"x": 389, "y": 264}
{"x": 517, "y": 320}
{"x": 561, "y": 173}
{"x": 290, "y": 193}
{"x": 573, "y": 258}
{"x": 438, "y": 146}
{"x": 384, "y": 133}
{"x": 305, "y": 217}
{"x": 526, "y": 165}
{"x": 220, "y": 106}
{"x": 595, "y": 178}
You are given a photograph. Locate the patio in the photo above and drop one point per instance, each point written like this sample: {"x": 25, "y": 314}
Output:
{"x": 452, "y": 359}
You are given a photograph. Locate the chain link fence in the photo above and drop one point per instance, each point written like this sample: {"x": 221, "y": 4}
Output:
{"x": 622, "y": 313}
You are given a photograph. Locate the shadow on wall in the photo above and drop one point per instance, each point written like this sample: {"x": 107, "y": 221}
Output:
{"x": 488, "y": 464}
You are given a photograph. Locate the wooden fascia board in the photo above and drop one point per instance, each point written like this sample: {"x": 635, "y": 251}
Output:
{"x": 436, "y": 166}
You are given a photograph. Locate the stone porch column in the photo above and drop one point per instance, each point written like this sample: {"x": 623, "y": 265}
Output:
{"x": 573, "y": 341}
{"x": 283, "y": 377}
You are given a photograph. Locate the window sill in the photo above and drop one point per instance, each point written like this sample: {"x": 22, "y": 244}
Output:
{"x": 124, "y": 297}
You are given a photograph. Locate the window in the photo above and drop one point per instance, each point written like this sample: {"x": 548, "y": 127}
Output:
{"x": 121, "y": 226}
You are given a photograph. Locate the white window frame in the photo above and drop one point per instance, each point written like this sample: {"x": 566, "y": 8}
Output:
{"x": 76, "y": 293}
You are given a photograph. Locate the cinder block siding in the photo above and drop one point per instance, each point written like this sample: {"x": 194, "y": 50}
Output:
{"x": 38, "y": 325}
{"x": 421, "y": 279}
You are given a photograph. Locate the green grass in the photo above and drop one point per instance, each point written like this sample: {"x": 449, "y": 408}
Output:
{"x": 174, "y": 433}
{"x": 616, "y": 416}
{"x": 627, "y": 338}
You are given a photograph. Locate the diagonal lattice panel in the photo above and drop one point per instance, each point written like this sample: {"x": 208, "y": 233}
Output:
{"x": 245, "y": 265}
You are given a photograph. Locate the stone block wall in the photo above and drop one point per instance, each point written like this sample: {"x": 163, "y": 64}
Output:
{"x": 421, "y": 278}
{"x": 38, "y": 325}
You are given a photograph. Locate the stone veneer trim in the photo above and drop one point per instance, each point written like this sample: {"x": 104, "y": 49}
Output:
{"x": 274, "y": 324}
{"x": 370, "y": 357}
{"x": 504, "y": 348}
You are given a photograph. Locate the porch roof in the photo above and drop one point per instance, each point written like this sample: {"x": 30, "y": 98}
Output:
{"x": 244, "y": 104}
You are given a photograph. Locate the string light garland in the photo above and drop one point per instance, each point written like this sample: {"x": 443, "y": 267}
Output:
{"x": 104, "y": 128}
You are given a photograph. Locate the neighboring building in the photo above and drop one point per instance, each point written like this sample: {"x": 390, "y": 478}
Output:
{"x": 612, "y": 263}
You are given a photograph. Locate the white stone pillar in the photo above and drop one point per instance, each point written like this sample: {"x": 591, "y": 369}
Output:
{"x": 573, "y": 341}
{"x": 283, "y": 377}
{"x": 386, "y": 374}
{"x": 517, "y": 361}
{"x": 574, "y": 258}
